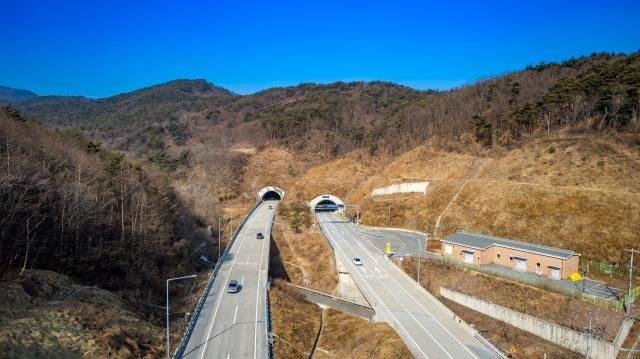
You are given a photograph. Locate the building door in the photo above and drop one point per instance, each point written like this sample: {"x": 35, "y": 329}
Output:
{"x": 555, "y": 273}
{"x": 521, "y": 264}
{"x": 468, "y": 257}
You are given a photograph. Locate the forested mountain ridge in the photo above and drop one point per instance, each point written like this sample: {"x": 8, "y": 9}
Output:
{"x": 139, "y": 120}
{"x": 8, "y": 94}
{"x": 596, "y": 92}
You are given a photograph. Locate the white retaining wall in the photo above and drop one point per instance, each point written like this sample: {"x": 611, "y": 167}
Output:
{"x": 557, "y": 334}
{"x": 408, "y": 187}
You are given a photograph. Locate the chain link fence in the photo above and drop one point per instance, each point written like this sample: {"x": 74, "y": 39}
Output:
{"x": 539, "y": 282}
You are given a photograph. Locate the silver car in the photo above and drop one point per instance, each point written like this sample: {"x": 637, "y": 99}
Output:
{"x": 233, "y": 287}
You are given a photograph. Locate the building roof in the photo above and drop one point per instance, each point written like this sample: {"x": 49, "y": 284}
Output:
{"x": 483, "y": 241}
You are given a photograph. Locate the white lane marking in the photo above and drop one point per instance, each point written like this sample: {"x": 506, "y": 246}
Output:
{"x": 242, "y": 282}
{"x": 252, "y": 242}
{"x": 255, "y": 330}
{"x": 248, "y": 257}
{"x": 206, "y": 340}
{"x": 376, "y": 269}
{"x": 425, "y": 310}
{"x": 228, "y": 355}
{"x": 379, "y": 300}
{"x": 362, "y": 269}
{"x": 235, "y": 315}
{"x": 421, "y": 306}
{"x": 406, "y": 308}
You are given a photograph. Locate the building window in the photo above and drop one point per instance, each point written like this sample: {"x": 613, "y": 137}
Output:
{"x": 538, "y": 265}
{"x": 498, "y": 255}
{"x": 510, "y": 258}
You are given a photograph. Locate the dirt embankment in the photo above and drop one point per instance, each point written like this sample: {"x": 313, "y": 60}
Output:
{"x": 43, "y": 315}
{"x": 306, "y": 257}
{"x": 295, "y": 323}
{"x": 345, "y": 336}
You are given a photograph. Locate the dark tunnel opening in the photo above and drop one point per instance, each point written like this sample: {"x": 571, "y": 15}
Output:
{"x": 326, "y": 206}
{"x": 271, "y": 196}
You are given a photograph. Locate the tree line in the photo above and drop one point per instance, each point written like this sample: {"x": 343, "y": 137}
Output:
{"x": 69, "y": 205}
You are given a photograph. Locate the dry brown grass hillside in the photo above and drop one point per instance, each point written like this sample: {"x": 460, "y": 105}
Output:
{"x": 579, "y": 192}
{"x": 37, "y": 320}
{"x": 345, "y": 336}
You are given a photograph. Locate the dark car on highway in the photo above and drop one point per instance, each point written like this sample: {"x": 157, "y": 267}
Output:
{"x": 260, "y": 236}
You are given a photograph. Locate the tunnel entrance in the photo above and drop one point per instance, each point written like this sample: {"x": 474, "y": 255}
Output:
{"x": 326, "y": 206}
{"x": 271, "y": 196}
{"x": 326, "y": 203}
{"x": 270, "y": 193}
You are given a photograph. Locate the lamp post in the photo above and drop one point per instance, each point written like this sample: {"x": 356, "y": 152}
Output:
{"x": 357, "y": 208}
{"x": 219, "y": 238}
{"x": 168, "y": 323}
{"x": 419, "y": 256}
{"x": 220, "y": 233}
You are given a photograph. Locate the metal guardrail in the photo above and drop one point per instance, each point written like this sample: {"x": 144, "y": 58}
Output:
{"x": 212, "y": 276}
{"x": 267, "y": 309}
{"x": 488, "y": 345}
{"x": 268, "y": 319}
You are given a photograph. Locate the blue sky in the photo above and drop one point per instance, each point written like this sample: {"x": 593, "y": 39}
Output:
{"x": 101, "y": 48}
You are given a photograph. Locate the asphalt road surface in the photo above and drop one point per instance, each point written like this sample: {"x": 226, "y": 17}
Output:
{"x": 232, "y": 325}
{"x": 425, "y": 325}
{"x": 403, "y": 243}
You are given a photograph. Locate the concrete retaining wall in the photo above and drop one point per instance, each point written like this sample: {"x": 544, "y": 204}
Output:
{"x": 409, "y": 187}
{"x": 557, "y": 334}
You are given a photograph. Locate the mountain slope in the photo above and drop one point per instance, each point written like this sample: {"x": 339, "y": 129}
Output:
{"x": 111, "y": 227}
{"x": 597, "y": 92}
{"x": 145, "y": 118}
{"x": 8, "y": 94}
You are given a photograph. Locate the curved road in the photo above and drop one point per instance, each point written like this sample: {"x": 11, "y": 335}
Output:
{"x": 426, "y": 325}
{"x": 232, "y": 325}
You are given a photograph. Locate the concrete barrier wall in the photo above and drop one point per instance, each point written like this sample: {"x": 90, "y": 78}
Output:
{"x": 557, "y": 334}
{"x": 409, "y": 187}
{"x": 623, "y": 332}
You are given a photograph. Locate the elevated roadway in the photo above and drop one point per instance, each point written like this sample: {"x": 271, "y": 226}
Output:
{"x": 428, "y": 328}
{"x": 233, "y": 325}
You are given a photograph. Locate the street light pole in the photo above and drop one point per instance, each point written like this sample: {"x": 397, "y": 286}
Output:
{"x": 629, "y": 299}
{"x": 168, "y": 323}
{"x": 218, "y": 239}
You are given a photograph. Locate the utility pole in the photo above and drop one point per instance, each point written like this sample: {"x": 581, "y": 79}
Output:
{"x": 590, "y": 331}
{"x": 629, "y": 299}
{"x": 219, "y": 232}
{"x": 419, "y": 258}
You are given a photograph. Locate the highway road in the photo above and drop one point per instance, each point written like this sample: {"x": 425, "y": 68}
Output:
{"x": 403, "y": 243}
{"x": 232, "y": 325}
{"x": 426, "y": 325}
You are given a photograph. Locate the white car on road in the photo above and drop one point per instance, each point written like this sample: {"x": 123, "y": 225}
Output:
{"x": 357, "y": 261}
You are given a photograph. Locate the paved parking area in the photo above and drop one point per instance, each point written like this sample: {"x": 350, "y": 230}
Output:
{"x": 603, "y": 290}
{"x": 403, "y": 243}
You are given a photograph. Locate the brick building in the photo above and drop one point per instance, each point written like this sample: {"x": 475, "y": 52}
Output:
{"x": 477, "y": 248}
